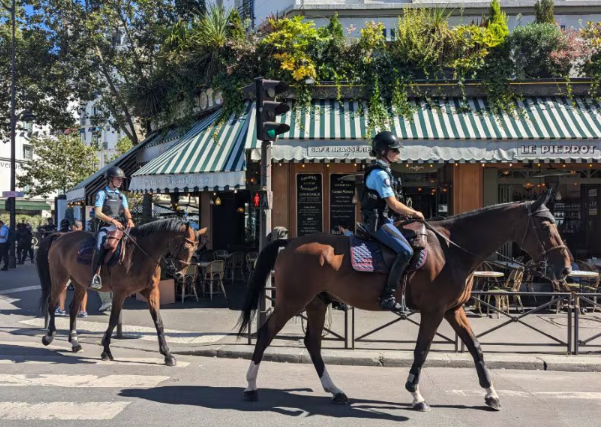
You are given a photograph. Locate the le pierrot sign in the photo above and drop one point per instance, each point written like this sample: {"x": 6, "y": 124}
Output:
{"x": 558, "y": 150}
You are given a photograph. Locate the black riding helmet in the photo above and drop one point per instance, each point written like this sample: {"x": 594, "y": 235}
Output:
{"x": 385, "y": 141}
{"x": 115, "y": 172}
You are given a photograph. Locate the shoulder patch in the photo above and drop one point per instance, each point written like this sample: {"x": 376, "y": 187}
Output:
{"x": 387, "y": 182}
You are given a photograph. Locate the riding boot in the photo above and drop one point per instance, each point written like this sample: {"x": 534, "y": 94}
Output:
{"x": 387, "y": 299}
{"x": 96, "y": 282}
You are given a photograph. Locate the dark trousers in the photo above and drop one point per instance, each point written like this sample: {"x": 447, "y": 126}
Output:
{"x": 23, "y": 251}
{"x": 4, "y": 254}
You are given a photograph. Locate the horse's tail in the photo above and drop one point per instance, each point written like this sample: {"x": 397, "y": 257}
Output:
{"x": 256, "y": 283}
{"x": 43, "y": 266}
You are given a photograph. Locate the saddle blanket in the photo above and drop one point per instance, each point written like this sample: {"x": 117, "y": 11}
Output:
{"x": 86, "y": 251}
{"x": 367, "y": 256}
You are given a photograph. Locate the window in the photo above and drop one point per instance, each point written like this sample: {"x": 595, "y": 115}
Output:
{"x": 27, "y": 152}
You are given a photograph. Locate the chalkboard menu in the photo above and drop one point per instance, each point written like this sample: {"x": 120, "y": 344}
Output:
{"x": 309, "y": 197}
{"x": 342, "y": 210}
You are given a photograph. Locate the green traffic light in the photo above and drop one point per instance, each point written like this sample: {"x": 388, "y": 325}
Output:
{"x": 271, "y": 133}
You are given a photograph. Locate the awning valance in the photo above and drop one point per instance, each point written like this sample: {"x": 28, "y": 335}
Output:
{"x": 214, "y": 159}
{"x": 30, "y": 205}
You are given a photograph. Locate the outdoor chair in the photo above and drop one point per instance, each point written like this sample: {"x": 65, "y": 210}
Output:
{"x": 187, "y": 281}
{"x": 251, "y": 259}
{"x": 220, "y": 254}
{"x": 213, "y": 277}
{"x": 206, "y": 256}
{"x": 234, "y": 265}
{"x": 512, "y": 283}
{"x": 574, "y": 285}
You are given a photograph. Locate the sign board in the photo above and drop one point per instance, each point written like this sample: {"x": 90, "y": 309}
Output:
{"x": 262, "y": 200}
{"x": 342, "y": 209}
{"x": 13, "y": 194}
{"x": 309, "y": 204}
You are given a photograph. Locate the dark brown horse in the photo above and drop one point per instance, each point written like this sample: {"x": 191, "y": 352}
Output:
{"x": 319, "y": 263}
{"x": 140, "y": 272}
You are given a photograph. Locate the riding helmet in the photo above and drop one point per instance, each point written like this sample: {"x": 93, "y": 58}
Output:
{"x": 385, "y": 141}
{"x": 115, "y": 172}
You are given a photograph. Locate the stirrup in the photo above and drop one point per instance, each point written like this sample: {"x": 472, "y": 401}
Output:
{"x": 96, "y": 282}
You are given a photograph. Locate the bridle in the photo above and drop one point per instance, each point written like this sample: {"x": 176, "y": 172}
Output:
{"x": 169, "y": 263}
{"x": 543, "y": 262}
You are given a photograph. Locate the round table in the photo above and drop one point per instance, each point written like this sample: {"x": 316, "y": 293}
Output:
{"x": 487, "y": 275}
{"x": 583, "y": 276}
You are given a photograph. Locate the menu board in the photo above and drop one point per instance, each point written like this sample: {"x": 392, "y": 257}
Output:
{"x": 309, "y": 197}
{"x": 342, "y": 209}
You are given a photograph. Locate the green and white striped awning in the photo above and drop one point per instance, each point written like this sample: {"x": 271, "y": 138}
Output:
{"x": 443, "y": 130}
{"x": 213, "y": 159}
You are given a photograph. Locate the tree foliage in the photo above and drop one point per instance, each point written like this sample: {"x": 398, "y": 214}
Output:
{"x": 58, "y": 164}
{"x": 544, "y": 12}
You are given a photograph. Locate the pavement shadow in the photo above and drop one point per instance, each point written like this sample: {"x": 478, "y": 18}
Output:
{"x": 284, "y": 402}
{"x": 22, "y": 354}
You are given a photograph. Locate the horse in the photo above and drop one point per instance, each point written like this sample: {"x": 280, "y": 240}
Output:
{"x": 140, "y": 272}
{"x": 320, "y": 263}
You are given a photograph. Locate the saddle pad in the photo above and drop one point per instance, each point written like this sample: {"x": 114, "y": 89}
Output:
{"x": 366, "y": 256}
{"x": 86, "y": 251}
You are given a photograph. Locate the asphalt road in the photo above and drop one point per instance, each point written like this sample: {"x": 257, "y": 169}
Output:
{"x": 51, "y": 386}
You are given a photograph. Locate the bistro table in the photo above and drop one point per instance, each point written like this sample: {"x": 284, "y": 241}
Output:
{"x": 509, "y": 264}
{"x": 488, "y": 276}
{"x": 224, "y": 257}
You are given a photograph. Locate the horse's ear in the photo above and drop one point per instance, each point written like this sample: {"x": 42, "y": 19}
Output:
{"x": 542, "y": 200}
{"x": 202, "y": 231}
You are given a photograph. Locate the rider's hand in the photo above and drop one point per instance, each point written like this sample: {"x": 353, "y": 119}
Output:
{"x": 418, "y": 215}
{"x": 118, "y": 225}
{"x": 130, "y": 223}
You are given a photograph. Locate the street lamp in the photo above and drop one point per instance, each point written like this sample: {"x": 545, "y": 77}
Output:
{"x": 12, "y": 263}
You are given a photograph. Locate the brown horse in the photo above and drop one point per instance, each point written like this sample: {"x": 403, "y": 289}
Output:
{"x": 319, "y": 263}
{"x": 140, "y": 272}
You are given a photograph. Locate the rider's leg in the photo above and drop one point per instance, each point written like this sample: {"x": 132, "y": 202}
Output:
{"x": 96, "y": 282}
{"x": 392, "y": 237}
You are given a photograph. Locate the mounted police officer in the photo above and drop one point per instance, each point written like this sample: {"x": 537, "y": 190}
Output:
{"x": 379, "y": 197}
{"x": 110, "y": 208}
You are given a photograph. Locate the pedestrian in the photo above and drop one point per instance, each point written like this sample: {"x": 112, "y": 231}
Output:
{"x": 77, "y": 225}
{"x": 24, "y": 238}
{"x": 49, "y": 228}
{"x": 4, "y": 245}
{"x": 65, "y": 226}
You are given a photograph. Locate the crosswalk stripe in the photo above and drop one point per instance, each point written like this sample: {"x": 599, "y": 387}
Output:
{"x": 83, "y": 381}
{"x": 141, "y": 332}
{"x": 61, "y": 410}
{"x": 119, "y": 361}
{"x": 583, "y": 395}
{"x": 17, "y": 290}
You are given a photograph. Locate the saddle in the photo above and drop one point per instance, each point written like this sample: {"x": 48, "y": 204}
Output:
{"x": 113, "y": 245}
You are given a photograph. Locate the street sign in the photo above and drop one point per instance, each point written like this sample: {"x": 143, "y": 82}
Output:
{"x": 13, "y": 194}
{"x": 262, "y": 200}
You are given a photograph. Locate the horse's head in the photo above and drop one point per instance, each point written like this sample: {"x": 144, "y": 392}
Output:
{"x": 541, "y": 240}
{"x": 182, "y": 247}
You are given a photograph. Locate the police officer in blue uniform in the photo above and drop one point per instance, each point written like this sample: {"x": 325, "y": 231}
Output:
{"x": 109, "y": 208}
{"x": 380, "y": 197}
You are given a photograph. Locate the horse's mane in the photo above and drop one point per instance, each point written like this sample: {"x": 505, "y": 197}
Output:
{"x": 173, "y": 225}
{"x": 481, "y": 211}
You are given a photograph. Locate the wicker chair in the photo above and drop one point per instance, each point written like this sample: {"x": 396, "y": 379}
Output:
{"x": 512, "y": 283}
{"x": 188, "y": 281}
{"x": 251, "y": 259}
{"x": 213, "y": 276}
{"x": 206, "y": 256}
{"x": 220, "y": 254}
{"x": 235, "y": 264}
{"x": 574, "y": 286}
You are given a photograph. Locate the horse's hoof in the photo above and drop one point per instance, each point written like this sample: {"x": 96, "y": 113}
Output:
{"x": 77, "y": 348}
{"x": 493, "y": 403}
{"x": 170, "y": 361}
{"x": 251, "y": 395}
{"x": 340, "y": 399}
{"x": 422, "y": 407}
{"x": 107, "y": 356}
{"x": 47, "y": 340}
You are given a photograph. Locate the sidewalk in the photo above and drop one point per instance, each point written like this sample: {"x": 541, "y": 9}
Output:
{"x": 208, "y": 328}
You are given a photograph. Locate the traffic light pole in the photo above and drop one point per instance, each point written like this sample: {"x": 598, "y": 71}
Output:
{"x": 265, "y": 224}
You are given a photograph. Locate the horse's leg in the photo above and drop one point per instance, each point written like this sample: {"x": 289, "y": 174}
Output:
{"x": 153, "y": 297}
{"x": 276, "y": 321}
{"x": 78, "y": 295}
{"x": 427, "y": 329}
{"x": 118, "y": 299}
{"x": 316, "y": 313}
{"x": 56, "y": 287}
{"x": 458, "y": 320}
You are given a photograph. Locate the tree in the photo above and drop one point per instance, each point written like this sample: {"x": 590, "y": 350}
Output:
{"x": 497, "y": 22}
{"x": 543, "y": 12}
{"x": 42, "y": 78}
{"x": 59, "y": 164}
{"x": 123, "y": 146}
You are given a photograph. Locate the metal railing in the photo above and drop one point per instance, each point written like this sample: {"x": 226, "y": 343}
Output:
{"x": 573, "y": 304}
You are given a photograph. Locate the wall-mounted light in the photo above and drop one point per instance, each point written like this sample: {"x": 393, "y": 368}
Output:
{"x": 217, "y": 201}
{"x": 240, "y": 210}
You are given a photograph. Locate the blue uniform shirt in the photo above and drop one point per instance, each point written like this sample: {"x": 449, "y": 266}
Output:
{"x": 379, "y": 181}
{"x": 101, "y": 196}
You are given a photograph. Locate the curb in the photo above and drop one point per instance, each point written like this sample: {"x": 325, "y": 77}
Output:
{"x": 402, "y": 359}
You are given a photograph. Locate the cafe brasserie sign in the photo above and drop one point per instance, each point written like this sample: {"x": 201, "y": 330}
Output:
{"x": 586, "y": 150}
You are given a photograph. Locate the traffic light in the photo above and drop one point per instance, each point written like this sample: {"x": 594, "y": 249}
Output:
{"x": 8, "y": 204}
{"x": 268, "y": 108}
{"x": 262, "y": 199}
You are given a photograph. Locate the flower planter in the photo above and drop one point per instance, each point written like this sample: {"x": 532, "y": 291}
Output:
{"x": 167, "y": 291}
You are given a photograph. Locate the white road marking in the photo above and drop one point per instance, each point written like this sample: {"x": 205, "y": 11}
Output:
{"x": 17, "y": 290}
{"x": 84, "y": 381}
{"x": 141, "y": 332}
{"x": 61, "y": 410}
{"x": 584, "y": 395}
